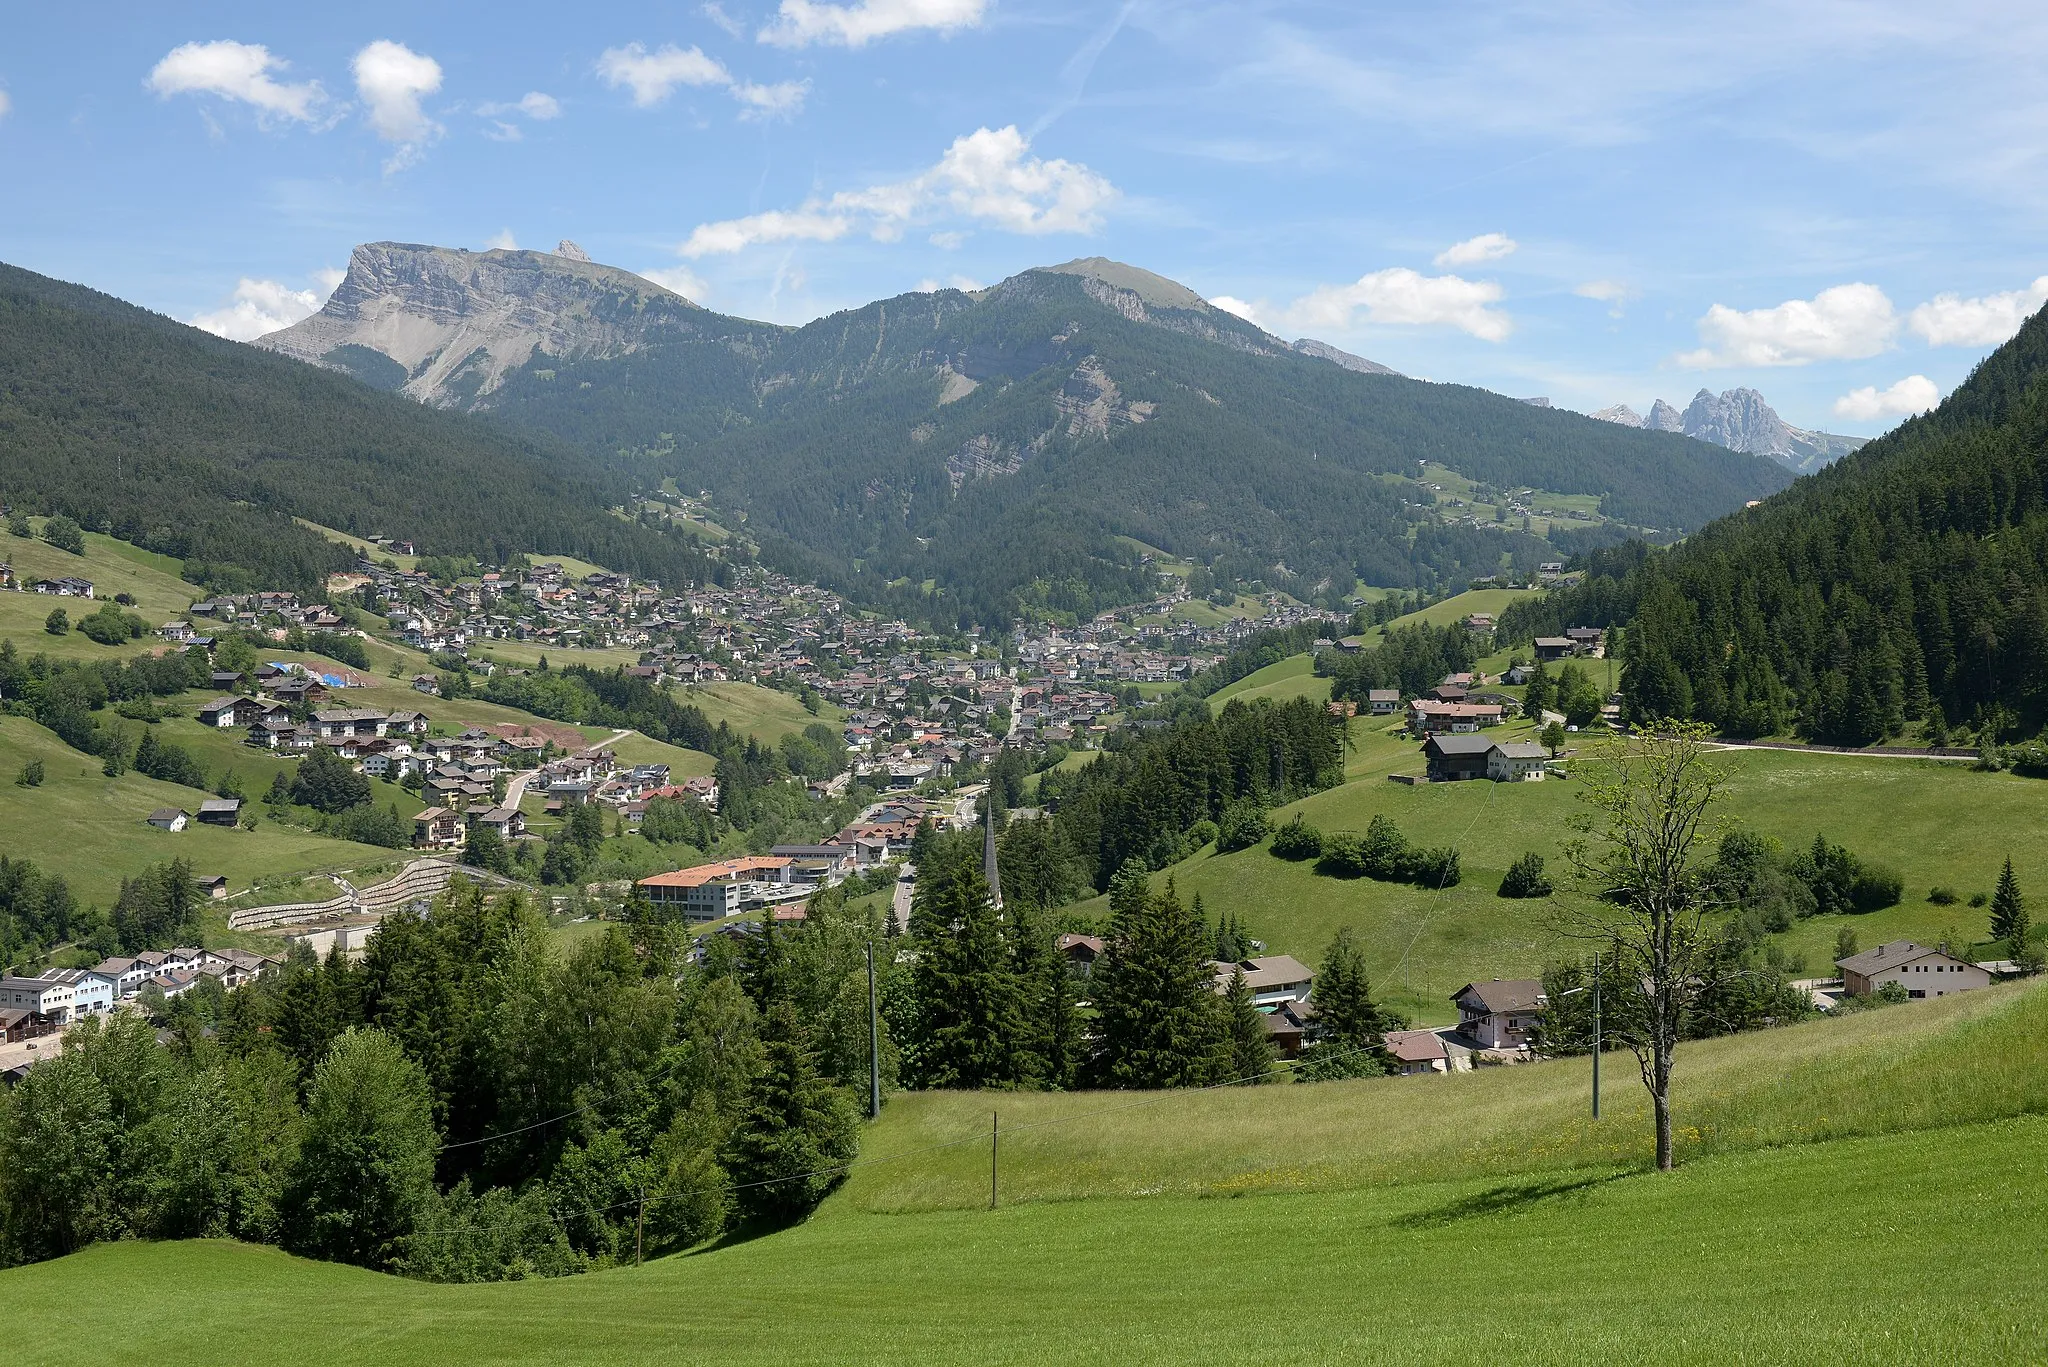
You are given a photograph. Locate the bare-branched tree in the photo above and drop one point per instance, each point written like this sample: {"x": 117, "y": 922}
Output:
{"x": 1640, "y": 855}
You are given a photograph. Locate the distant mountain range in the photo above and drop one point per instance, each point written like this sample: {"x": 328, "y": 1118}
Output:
{"x": 1000, "y": 450}
{"x": 1740, "y": 420}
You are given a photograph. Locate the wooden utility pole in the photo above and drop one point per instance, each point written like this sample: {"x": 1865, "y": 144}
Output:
{"x": 994, "y": 1125}
{"x": 874, "y": 1042}
{"x": 640, "y": 1226}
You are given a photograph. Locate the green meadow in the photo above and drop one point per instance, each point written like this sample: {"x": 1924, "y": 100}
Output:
{"x": 1941, "y": 824}
{"x": 1293, "y": 677}
{"x": 1881, "y": 1203}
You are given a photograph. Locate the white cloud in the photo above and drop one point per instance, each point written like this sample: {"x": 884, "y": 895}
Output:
{"x": 1606, "y": 291}
{"x": 987, "y": 176}
{"x": 258, "y": 306}
{"x": 948, "y": 241}
{"x": 1475, "y": 250}
{"x": 330, "y": 279}
{"x": 654, "y": 76}
{"x": 392, "y": 79}
{"x": 1914, "y": 394}
{"x": 733, "y": 27}
{"x": 1408, "y": 298}
{"x": 236, "y": 71}
{"x": 6, "y": 104}
{"x": 1950, "y": 320}
{"x": 1846, "y": 322}
{"x": 501, "y": 241}
{"x": 799, "y": 23}
{"x": 534, "y": 104}
{"x": 1242, "y": 308}
{"x": 965, "y": 283}
{"x": 784, "y": 98}
{"x": 681, "y": 279}
{"x": 500, "y": 131}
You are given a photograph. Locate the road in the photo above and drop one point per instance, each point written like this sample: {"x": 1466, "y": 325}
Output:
{"x": 515, "y": 786}
{"x": 1970, "y": 758}
{"x": 899, "y": 901}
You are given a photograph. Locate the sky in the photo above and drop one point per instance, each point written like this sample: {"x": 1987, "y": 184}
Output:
{"x": 1840, "y": 204}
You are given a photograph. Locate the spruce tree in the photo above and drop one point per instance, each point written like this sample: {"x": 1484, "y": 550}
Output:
{"x": 795, "y": 1131}
{"x": 1349, "y": 1025}
{"x": 1160, "y": 1020}
{"x": 1251, "y": 1047}
{"x": 2008, "y": 908}
{"x": 969, "y": 988}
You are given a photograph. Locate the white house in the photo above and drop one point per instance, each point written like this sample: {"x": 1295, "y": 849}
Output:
{"x": 1500, "y": 1014}
{"x": 1922, "y": 971}
{"x": 1516, "y": 762}
{"x": 1273, "y": 978}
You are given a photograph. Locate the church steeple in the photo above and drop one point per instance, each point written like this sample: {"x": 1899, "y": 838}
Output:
{"x": 988, "y": 854}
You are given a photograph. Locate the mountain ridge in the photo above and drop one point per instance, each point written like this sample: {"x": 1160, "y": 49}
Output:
{"x": 1740, "y": 420}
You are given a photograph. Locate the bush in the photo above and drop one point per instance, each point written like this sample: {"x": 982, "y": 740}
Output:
{"x": 1201, "y": 833}
{"x": 1876, "y": 887}
{"x": 1244, "y": 825}
{"x": 1388, "y": 855}
{"x": 1343, "y": 857}
{"x": 111, "y": 627}
{"x": 58, "y": 622}
{"x": 1526, "y": 878}
{"x": 1942, "y": 897}
{"x": 31, "y": 775}
{"x": 1980, "y": 899}
{"x": 1297, "y": 840}
{"x": 1437, "y": 868}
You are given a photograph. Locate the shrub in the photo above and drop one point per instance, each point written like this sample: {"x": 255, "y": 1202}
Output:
{"x": 1297, "y": 840}
{"x": 1244, "y": 825}
{"x": 1942, "y": 897}
{"x": 1437, "y": 868}
{"x": 1875, "y": 887}
{"x": 1343, "y": 857}
{"x": 58, "y": 622}
{"x": 1201, "y": 833}
{"x": 1526, "y": 878}
{"x": 110, "y": 626}
{"x": 1980, "y": 899}
{"x": 1387, "y": 853}
{"x": 31, "y": 775}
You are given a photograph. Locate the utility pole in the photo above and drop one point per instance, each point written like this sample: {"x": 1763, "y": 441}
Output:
{"x": 994, "y": 1124}
{"x": 1596, "y": 1037}
{"x": 874, "y": 1042}
{"x": 640, "y": 1225}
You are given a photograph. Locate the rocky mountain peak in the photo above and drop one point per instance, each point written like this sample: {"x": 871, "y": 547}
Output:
{"x": 1740, "y": 420}
{"x": 1309, "y": 346}
{"x": 1664, "y": 418}
{"x": 1155, "y": 290}
{"x": 1621, "y": 415}
{"x": 458, "y": 321}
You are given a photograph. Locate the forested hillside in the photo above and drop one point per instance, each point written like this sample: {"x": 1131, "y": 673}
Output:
{"x": 205, "y": 449}
{"x": 1907, "y": 583}
{"x": 995, "y": 444}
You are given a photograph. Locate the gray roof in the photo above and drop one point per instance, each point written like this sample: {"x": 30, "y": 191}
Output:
{"x": 1522, "y": 749}
{"x": 1887, "y": 956}
{"x": 1503, "y": 994}
{"x": 1265, "y": 973}
{"x": 221, "y": 804}
{"x": 1455, "y": 744}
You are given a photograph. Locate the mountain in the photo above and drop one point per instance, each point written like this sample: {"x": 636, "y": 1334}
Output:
{"x": 1309, "y": 346}
{"x": 1905, "y": 585}
{"x": 444, "y": 325}
{"x": 1740, "y": 420}
{"x": 206, "y": 449}
{"x": 970, "y": 454}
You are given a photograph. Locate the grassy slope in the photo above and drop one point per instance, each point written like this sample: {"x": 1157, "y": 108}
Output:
{"x": 1579, "y": 1263}
{"x": 90, "y": 829}
{"x": 113, "y": 566}
{"x": 749, "y": 708}
{"x": 1293, "y": 677}
{"x": 1940, "y": 824}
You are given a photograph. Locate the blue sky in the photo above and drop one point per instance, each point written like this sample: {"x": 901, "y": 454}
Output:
{"x": 1840, "y": 204}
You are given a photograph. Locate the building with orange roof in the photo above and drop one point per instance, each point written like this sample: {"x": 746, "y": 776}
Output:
{"x": 712, "y": 892}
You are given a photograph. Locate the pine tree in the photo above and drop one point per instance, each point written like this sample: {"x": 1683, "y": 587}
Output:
{"x": 2008, "y": 908}
{"x": 795, "y": 1130}
{"x": 1053, "y": 1032}
{"x": 1251, "y": 1047}
{"x": 1349, "y": 1025}
{"x": 1160, "y": 1019}
{"x": 968, "y": 985}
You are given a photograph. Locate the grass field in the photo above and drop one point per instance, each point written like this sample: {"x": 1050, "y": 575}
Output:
{"x": 90, "y": 829}
{"x": 114, "y": 567}
{"x": 1293, "y": 677}
{"x": 1939, "y": 824}
{"x": 1859, "y": 1241}
{"x": 752, "y": 710}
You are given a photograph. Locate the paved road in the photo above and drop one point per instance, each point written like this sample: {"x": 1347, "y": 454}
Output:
{"x": 899, "y": 903}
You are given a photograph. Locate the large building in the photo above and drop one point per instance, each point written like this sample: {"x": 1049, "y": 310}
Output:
{"x": 712, "y": 892}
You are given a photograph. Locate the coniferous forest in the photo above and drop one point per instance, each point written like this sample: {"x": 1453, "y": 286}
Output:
{"x": 1904, "y": 586}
